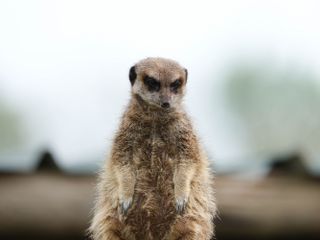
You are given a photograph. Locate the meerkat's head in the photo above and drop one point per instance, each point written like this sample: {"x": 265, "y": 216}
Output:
{"x": 159, "y": 82}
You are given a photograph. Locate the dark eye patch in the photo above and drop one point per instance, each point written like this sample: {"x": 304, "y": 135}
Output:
{"x": 175, "y": 85}
{"x": 152, "y": 84}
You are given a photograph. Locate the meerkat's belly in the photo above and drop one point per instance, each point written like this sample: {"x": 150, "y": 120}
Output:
{"x": 153, "y": 209}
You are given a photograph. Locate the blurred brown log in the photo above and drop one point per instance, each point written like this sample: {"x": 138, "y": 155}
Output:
{"x": 49, "y": 205}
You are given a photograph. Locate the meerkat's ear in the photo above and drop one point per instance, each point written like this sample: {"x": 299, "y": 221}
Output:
{"x": 132, "y": 75}
{"x": 186, "y": 72}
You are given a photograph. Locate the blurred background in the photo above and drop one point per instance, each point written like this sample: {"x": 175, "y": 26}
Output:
{"x": 253, "y": 95}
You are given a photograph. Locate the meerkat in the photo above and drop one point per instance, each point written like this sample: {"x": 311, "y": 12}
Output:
{"x": 156, "y": 184}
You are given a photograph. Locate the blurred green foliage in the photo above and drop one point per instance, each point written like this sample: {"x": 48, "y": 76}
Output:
{"x": 278, "y": 108}
{"x": 11, "y": 135}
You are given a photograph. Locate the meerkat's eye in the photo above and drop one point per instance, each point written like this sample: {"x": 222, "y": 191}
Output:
{"x": 152, "y": 84}
{"x": 175, "y": 85}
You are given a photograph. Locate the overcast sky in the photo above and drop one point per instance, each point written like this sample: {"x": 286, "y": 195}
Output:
{"x": 64, "y": 64}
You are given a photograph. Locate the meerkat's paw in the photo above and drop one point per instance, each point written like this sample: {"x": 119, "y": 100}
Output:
{"x": 125, "y": 204}
{"x": 181, "y": 203}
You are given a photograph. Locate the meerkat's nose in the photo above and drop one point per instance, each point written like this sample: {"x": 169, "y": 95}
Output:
{"x": 165, "y": 105}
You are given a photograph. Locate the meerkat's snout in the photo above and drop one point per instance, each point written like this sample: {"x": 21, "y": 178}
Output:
{"x": 165, "y": 99}
{"x": 165, "y": 105}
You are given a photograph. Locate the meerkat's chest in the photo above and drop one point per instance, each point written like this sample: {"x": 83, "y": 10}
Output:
{"x": 154, "y": 189}
{"x": 155, "y": 153}
{"x": 154, "y": 161}
{"x": 154, "y": 150}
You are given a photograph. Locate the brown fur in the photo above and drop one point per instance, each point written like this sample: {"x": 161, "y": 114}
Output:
{"x": 156, "y": 184}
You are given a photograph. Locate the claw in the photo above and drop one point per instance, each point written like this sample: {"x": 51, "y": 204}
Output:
{"x": 181, "y": 204}
{"x": 125, "y": 205}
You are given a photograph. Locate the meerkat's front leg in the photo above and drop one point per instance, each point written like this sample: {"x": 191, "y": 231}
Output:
{"x": 183, "y": 175}
{"x": 126, "y": 180}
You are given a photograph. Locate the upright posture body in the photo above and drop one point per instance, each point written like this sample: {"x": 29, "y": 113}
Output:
{"x": 156, "y": 183}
